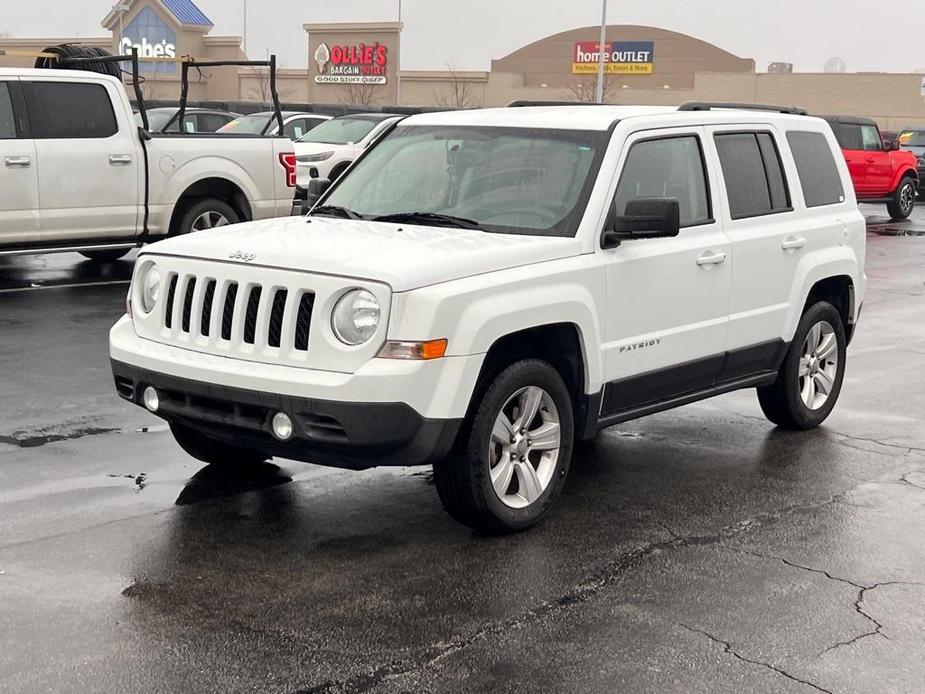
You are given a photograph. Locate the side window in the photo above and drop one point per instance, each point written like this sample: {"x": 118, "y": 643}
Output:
{"x": 7, "y": 120}
{"x": 210, "y": 122}
{"x": 850, "y": 136}
{"x": 69, "y": 110}
{"x": 870, "y": 138}
{"x": 816, "y": 166}
{"x": 669, "y": 167}
{"x": 755, "y": 181}
{"x": 295, "y": 129}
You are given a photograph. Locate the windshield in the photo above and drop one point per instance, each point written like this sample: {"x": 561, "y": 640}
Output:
{"x": 340, "y": 131}
{"x": 247, "y": 125}
{"x": 912, "y": 138}
{"x": 505, "y": 180}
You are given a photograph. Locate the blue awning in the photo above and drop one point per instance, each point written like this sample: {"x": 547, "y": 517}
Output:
{"x": 187, "y": 12}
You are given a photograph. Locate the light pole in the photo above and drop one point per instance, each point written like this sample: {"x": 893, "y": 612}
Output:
{"x": 599, "y": 93}
{"x": 398, "y": 66}
{"x": 244, "y": 37}
{"x": 121, "y": 8}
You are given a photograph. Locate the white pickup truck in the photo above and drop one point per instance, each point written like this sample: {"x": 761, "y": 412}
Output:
{"x": 483, "y": 288}
{"x": 78, "y": 174}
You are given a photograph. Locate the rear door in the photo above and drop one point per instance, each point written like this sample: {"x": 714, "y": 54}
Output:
{"x": 19, "y": 191}
{"x": 88, "y": 175}
{"x": 768, "y": 240}
{"x": 849, "y": 137}
{"x": 877, "y": 159}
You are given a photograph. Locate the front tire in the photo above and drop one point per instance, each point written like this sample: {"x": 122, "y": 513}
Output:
{"x": 810, "y": 379}
{"x": 204, "y": 214}
{"x": 511, "y": 462}
{"x": 214, "y": 452}
{"x": 903, "y": 200}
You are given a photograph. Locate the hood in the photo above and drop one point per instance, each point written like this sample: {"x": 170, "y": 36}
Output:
{"x": 315, "y": 148}
{"x": 915, "y": 149}
{"x": 403, "y": 256}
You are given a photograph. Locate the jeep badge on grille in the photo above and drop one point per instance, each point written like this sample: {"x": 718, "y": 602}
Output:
{"x": 241, "y": 255}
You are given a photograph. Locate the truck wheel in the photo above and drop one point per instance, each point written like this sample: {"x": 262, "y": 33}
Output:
{"x": 810, "y": 379}
{"x": 511, "y": 463}
{"x": 214, "y": 452}
{"x": 107, "y": 256}
{"x": 903, "y": 200}
{"x": 206, "y": 213}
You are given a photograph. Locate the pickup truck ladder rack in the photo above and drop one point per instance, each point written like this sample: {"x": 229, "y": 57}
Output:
{"x": 711, "y": 105}
{"x": 188, "y": 62}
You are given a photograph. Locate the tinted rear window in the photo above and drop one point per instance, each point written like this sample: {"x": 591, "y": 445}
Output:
{"x": 7, "y": 121}
{"x": 816, "y": 167}
{"x": 68, "y": 110}
{"x": 755, "y": 182}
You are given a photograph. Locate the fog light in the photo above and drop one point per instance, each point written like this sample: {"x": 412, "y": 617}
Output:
{"x": 152, "y": 402}
{"x": 282, "y": 426}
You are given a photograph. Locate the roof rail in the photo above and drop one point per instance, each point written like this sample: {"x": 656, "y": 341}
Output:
{"x": 710, "y": 105}
{"x": 520, "y": 103}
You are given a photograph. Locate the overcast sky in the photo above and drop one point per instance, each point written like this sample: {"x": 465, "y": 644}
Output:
{"x": 880, "y": 36}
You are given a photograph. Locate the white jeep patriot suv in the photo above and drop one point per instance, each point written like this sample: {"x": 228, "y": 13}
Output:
{"x": 484, "y": 288}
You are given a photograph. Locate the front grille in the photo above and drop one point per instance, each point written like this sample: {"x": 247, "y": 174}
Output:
{"x": 252, "y": 314}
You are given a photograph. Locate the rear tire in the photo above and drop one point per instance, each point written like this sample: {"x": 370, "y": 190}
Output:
{"x": 215, "y": 452}
{"x": 107, "y": 256}
{"x": 494, "y": 454}
{"x": 204, "y": 214}
{"x": 808, "y": 382}
{"x": 903, "y": 200}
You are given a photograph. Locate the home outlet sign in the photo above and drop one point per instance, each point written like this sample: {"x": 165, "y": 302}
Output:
{"x": 362, "y": 63}
{"x": 153, "y": 38}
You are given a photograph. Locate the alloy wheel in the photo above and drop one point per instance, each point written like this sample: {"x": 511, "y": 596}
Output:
{"x": 524, "y": 448}
{"x": 907, "y": 198}
{"x": 818, "y": 365}
{"x": 209, "y": 220}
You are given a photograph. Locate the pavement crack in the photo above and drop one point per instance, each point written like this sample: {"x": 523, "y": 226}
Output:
{"x": 40, "y": 437}
{"x": 905, "y": 480}
{"x": 727, "y": 648}
{"x": 794, "y": 565}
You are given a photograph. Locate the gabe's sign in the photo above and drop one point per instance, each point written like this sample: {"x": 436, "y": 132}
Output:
{"x": 620, "y": 57}
{"x": 362, "y": 63}
{"x": 153, "y": 38}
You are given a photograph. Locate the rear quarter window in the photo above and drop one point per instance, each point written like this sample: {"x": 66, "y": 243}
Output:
{"x": 754, "y": 176}
{"x": 69, "y": 110}
{"x": 816, "y": 168}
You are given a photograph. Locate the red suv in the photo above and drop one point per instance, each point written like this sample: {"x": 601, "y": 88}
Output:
{"x": 880, "y": 172}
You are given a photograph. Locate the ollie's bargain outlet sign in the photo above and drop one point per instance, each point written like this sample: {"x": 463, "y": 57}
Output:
{"x": 620, "y": 57}
{"x": 362, "y": 63}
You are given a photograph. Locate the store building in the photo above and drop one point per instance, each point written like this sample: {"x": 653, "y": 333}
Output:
{"x": 358, "y": 63}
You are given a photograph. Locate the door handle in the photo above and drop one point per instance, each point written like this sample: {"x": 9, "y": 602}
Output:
{"x": 792, "y": 243}
{"x": 711, "y": 258}
{"x": 18, "y": 162}
{"x": 120, "y": 159}
{"x": 870, "y": 160}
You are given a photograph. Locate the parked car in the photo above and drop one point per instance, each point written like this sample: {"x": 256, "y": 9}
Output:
{"x": 888, "y": 136}
{"x": 482, "y": 289}
{"x": 195, "y": 120}
{"x": 295, "y": 124}
{"x": 880, "y": 173}
{"x": 329, "y": 149}
{"x": 78, "y": 175}
{"x": 913, "y": 140}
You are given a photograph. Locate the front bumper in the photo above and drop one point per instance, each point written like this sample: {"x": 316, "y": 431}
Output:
{"x": 340, "y": 434}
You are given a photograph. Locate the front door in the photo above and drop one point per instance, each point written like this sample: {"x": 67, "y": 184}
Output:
{"x": 667, "y": 298}
{"x": 87, "y": 168}
{"x": 19, "y": 197}
{"x": 877, "y": 159}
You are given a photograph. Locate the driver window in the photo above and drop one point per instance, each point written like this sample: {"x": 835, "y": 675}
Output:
{"x": 669, "y": 167}
{"x": 870, "y": 138}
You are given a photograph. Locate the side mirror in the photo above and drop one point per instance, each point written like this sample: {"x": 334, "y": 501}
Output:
{"x": 643, "y": 218}
{"x": 892, "y": 146}
{"x": 316, "y": 188}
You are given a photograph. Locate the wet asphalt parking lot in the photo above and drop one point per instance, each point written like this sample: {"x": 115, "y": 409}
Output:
{"x": 699, "y": 550}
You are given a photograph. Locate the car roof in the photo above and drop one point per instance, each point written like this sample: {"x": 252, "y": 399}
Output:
{"x": 376, "y": 117}
{"x": 289, "y": 114}
{"x": 850, "y": 120}
{"x": 594, "y": 117}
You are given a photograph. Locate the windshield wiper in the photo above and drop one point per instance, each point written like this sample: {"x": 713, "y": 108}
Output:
{"x": 434, "y": 218}
{"x": 335, "y": 211}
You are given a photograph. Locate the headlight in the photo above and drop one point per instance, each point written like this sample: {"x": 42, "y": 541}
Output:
{"x": 309, "y": 158}
{"x": 355, "y": 317}
{"x": 149, "y": 287}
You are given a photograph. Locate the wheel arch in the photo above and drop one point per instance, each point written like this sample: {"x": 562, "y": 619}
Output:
{"x": 904, "y": 172}
{"x": 212, "y": 187}
{"x": 839, "y": 291}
